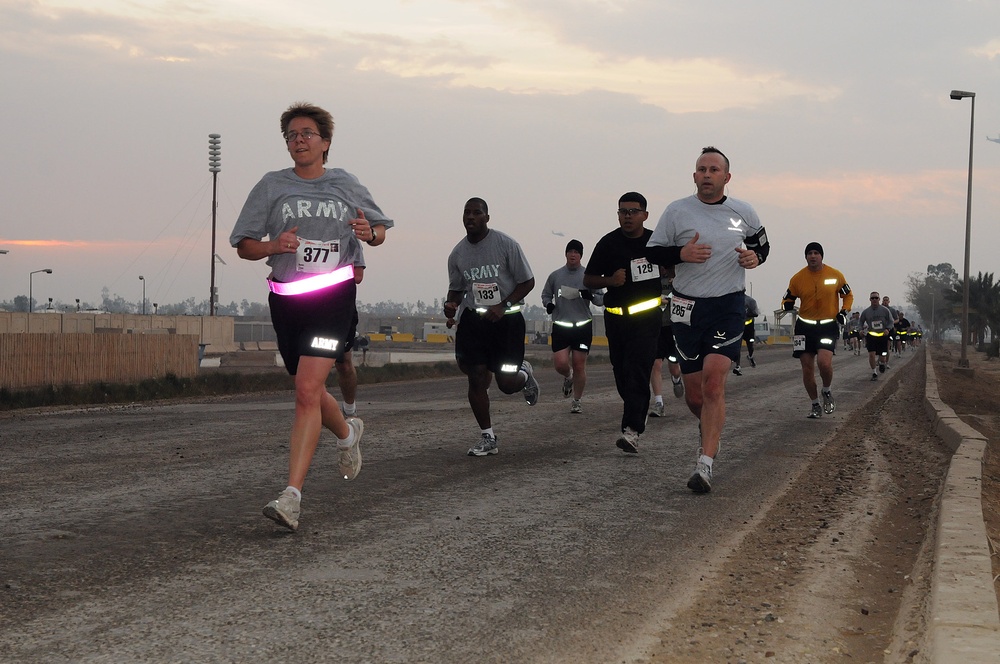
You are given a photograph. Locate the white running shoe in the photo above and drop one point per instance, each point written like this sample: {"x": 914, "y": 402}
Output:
{"x": 701, "y": 480}
{"x": 567, "y": 386}
{"x": 575, "y": 406}
{"x": 829, "y": 405}
{"x": 656, "y": 410}
{"x": 284, "y": 510}
{"x": 350, "y": 457}
{"x": 678, "y": 387}
{"x": 530, "y": 384}
{"x": 628, "y": 441}
{"x": 487, "y": 445}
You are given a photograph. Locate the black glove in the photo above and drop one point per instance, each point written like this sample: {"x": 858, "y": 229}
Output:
{"x": 842, "y": 317}
{"x": 587, "y": 295}
{"x": 549, "y": 308}
{"x": 789, "y": 306}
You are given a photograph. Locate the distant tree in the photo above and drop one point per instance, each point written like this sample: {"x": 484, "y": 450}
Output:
{"x": 984, "y": 306}
{"x": 171, "y": 309}
{"x": 231, "y": 309}
{"x": 117, "y": 304}
{"x": 20, "y": 303}
{"x": 255, "y": 309}
{"x": 929, "y": 293}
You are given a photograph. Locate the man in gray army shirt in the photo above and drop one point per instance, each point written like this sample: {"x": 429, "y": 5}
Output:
{"x": 488, "y": 278}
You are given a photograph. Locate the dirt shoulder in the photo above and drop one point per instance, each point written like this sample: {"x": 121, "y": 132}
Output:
{"x": 840, "y": 567}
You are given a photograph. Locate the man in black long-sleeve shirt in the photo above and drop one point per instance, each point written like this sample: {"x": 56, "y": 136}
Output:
{"x": 631, "y": 311}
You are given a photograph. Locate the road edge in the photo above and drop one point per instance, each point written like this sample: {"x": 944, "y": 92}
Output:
{"x": 965, "y": 618}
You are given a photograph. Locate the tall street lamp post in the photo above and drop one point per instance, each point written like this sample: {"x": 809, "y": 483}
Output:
{"x": 963, "y": 361}
{"x": 214, "y": 166}
{"x": 143, "y": 280}
{"x": 31, "y": 276}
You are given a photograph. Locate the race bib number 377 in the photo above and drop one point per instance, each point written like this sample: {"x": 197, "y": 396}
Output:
{"x": 315, "y": 257}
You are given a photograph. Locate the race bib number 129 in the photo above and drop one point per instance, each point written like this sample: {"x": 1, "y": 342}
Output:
{"x": 643, "y": 270}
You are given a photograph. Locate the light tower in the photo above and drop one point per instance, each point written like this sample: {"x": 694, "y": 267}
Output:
{"x": 214, "y": 166}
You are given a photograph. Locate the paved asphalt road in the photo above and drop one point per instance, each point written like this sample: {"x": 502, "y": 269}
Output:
{"x": 134, "y": 533}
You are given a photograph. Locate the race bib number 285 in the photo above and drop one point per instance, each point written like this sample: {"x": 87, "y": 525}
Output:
{"x": 680, "y": 310}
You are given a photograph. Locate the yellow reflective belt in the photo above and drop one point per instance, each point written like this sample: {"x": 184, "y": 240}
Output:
{"x": 635, "y": 308}
{"x": 815, "y": 322}
{"x": 513, "y": 310}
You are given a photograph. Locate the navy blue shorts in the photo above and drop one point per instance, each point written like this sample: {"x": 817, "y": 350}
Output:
{"x": 317, "y": 324}
{"x": 716, "y": 327}
{"x": 498, "y": 346}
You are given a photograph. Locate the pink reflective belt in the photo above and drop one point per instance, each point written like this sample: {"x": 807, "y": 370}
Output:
{"x": 311, "y": 284}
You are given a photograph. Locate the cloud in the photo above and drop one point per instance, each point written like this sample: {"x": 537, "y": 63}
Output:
{"x": 74, "y": 244}
{"x": 520, "y": 56}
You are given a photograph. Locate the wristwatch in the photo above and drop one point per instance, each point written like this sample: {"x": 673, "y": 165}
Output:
{"x": 374, "y": 235}
{"x": 508, "y": 304}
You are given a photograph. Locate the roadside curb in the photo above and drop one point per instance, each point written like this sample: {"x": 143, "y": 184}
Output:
{"x": 964, "y": 618}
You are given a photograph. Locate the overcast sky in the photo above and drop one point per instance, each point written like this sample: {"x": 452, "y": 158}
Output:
{"x": 835, "y": 115}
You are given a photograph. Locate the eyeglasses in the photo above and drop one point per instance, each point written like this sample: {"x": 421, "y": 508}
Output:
{"x": 628, "y": 212}
{"x": 306, "y": 135}
{"x": 873, "y": 297}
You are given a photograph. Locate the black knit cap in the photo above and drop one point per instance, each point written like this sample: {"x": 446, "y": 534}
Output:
{"x": 814, "y": 246}
{"x": 574, "y": 245}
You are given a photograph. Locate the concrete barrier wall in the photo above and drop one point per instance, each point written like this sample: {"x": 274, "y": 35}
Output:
{"x": 964, "y": 616}
{"x": 216, "y": 332}
{"x": 29, "y": 360}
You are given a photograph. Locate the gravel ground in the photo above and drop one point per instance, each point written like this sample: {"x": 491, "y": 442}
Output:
{"x": 136, "y": 533}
